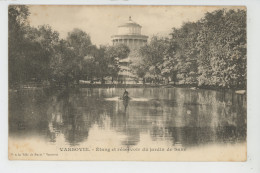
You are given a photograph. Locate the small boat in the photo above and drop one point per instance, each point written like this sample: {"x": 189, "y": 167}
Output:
{"x": 125, "y": 98}
{"x": 125, "y": 101}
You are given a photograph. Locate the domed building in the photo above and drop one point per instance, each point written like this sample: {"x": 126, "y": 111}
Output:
{"x": 129, "y": 33}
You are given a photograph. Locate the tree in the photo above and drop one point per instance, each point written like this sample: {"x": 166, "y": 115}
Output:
{"x": 113, "y": 54}
{"x": 80, "y": 43}
{"x": 222, "y": 47}
{"x": 17, "y": 24}
{"x": 212, "y": 51}
{"x": 139, "y": 67}
{"x": 40, "y": 49}
{"x": 63, "y": 64}
{"x": 183, "y": 41}
{"x": 90, "y": 64}
{"x": 153, "y": 55}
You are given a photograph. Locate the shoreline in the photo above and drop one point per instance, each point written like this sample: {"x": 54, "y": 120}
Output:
{"x": 192, "y": 87}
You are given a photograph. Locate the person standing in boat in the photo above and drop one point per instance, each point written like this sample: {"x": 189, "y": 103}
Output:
{"x": 125, "y": 99}
{"x": 125, "y": 95}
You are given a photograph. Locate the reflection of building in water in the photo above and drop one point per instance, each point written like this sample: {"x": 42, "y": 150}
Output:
{"x": 129, "y": 33}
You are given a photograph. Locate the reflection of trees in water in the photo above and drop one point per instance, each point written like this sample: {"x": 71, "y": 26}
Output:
{"x": 27, "y": 112}
{"x": 75, "y": 128}
{"x": 73, "y": 115}
{"x": 188, "y": 118}
{"x": 182, "y": 116}
{"x": 216, "y": 118}
{"x": 79, "y": 113}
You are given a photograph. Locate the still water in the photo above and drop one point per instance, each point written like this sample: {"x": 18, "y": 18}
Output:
{"x": 165, "y": 116}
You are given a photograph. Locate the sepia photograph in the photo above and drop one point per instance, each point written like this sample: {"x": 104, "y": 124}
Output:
{"x": 127, "y": 83}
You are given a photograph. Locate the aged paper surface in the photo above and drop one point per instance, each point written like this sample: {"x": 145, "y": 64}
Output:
{"x": 136, "y": 83}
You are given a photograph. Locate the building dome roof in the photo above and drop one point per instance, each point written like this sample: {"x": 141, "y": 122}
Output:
{"x": 130, "y": 23}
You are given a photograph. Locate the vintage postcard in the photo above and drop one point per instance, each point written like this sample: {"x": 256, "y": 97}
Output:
{"x": 127, "y": 83}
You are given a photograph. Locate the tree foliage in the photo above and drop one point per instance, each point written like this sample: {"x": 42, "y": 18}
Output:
{"x": 39, "y": 55}
{"x": 17, "y": 25}
{"x": 153, "y": 55}
{"x": 209, "y": 52}
{"x": 222, "y": 49}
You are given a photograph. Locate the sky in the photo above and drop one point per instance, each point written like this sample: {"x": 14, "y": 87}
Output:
{"x": 101, "y": 21}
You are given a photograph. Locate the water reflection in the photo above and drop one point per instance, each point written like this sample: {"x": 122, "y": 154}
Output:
{"x": 173, "y": 115}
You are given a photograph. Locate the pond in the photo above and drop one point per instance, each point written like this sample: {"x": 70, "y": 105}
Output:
{"x": 153, "y": 116}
